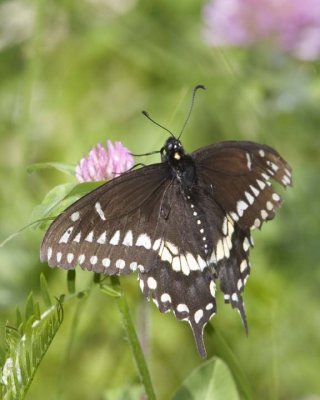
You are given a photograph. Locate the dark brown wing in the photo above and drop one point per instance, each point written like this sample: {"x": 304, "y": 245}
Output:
{"x": 240, "y": 175}
{"x": 110, "y": 230}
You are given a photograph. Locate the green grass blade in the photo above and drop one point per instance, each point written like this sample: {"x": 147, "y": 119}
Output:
{"x": 134, "y": 341}
{"x": 45, "y": 291}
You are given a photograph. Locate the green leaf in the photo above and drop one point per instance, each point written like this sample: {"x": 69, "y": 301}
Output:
{"x": 68, "y": 169}
{"x": 29, "y": 306}
{"x": 217, "y": 340}
{"x": 45, "y": 291}
{"x": 36, "y": 311}
{"x": 54, "y": 202}
{"x": 51, "y": 201}
{"x": 80, "y": 189}
{"x": 59, "y": 198}
{"x": 31, "y": 224}
{"x": 109, "y": 290}
{"x": 211, "y": 381}
{"x": 18, "y": 317}
{"x": 26, "y": 346}
{"x": 134, "y": 341}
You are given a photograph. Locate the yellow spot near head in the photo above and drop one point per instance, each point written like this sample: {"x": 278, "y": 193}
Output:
{"x": 177, "y": 156}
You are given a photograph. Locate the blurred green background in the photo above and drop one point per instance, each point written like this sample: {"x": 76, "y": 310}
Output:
{"x": 74, "y": 73}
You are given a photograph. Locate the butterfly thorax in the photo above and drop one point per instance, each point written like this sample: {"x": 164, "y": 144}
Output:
{"x": 181, "y": 164}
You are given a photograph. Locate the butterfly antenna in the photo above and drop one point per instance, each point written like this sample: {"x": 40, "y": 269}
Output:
{"x": 191, "y": 106}
{"x": 146, "y": 114}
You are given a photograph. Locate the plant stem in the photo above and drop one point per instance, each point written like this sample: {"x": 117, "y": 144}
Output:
{"x": 228, "y": 356}
{"x": 134, "y": 341}
{"x": 144, "y": 326}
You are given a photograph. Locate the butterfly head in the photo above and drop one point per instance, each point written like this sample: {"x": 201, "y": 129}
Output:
{"x": 172, "y": 150}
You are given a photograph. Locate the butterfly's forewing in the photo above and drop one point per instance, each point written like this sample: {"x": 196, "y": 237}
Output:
{"x": 111, "y": 229}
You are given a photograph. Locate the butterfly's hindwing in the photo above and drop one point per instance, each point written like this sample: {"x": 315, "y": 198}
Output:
{"x": 234, "y": 271}
{"x": 191, "y": 297}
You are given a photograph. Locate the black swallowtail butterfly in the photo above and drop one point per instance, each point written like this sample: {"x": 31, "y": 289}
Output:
{"x": 181, "y": 224}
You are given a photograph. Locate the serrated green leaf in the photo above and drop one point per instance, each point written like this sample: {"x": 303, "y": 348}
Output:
{"x": 12, "y": 336}
{"x": 27, "y": 348}
{"x": 211, "y": 381}
{"x": 16, "y": 384}
{"x": 45, "y": 291}
{"x": 18, "y": 317}
{"x": 36, "y": 311}
{"x": 28, "y": 325}
{"x": 28, "y": 364}
{"x": 68, "y": 169}
{"x": 23, "y": 370}
{"x": 29, "y": 306}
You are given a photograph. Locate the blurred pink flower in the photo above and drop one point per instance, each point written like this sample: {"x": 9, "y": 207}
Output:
{"x": 291, "y": 25}
{"x": 103, "y": 164}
